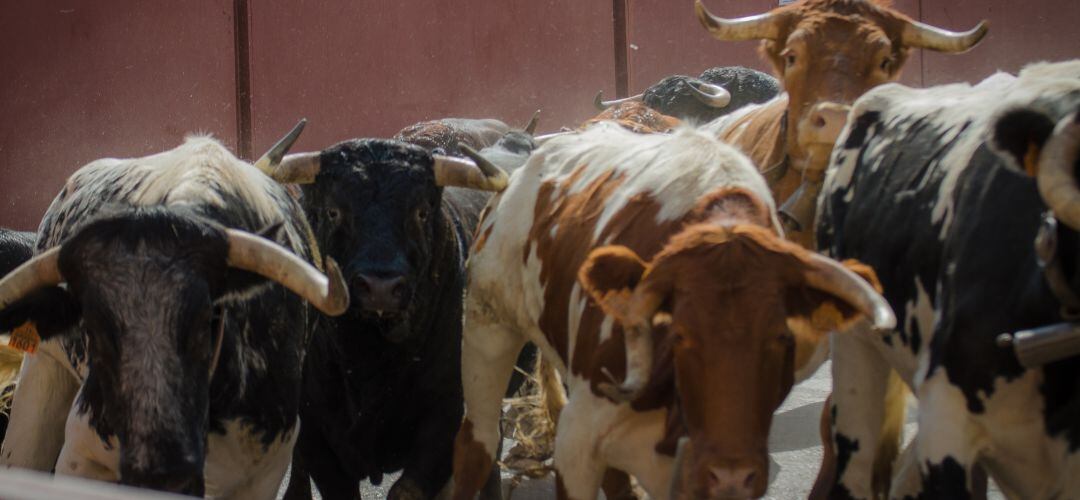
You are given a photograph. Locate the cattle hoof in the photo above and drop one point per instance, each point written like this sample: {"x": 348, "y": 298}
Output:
{"x": 405, "y": 489}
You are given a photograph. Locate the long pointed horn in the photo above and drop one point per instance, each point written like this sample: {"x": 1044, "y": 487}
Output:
{"x": 710, "y": 95}
{"x": 266, "y": 258}
{"x": 477, "y": 173}
{"x": 601, "y": 104}
{"x": 530, "y": 128}
{"x": 639, "y": 352}
{"x": 831, "y": 277}
{"x": 762, "y": 26}
{"x": 271, "y": 158}
{"x": 677, "y": 482}
{"x": 1057, "y": 184}
{"x": 541, "y": 139}
{"x": 37, "y": 273}
{"x": 917, "y": 34}
{"x": 299, "y": 168}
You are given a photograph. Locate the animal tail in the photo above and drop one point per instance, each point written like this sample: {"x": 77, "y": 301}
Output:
{"x": 551, "y": 386}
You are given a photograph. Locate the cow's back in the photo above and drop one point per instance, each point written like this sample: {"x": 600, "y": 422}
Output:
{"x": 201, "y": 175}
{"x": 580, "y": 191}
{"x": 915, "y": 191}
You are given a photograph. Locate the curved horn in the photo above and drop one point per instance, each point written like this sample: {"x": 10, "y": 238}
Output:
{"x": 272, "y": 158}
{"x": 829, "y": 276}
{"x": 299, "y": 168}
{"x": 530, "y": 128}
{"x": 37, "y": 273}
{"x": 541, "y": 139}
{"x": 677, "y": 482}
{"x": 266, "y": 258}
{"x": 477, "y": 173}
{"x": 917, "y": 34}
{"x": 762, "y": 26}
{"x": 639, "y": 352}
{"x": 601, "y": 104}
{"x": 710, "y": 95}
{"x": 1057, "y": 184}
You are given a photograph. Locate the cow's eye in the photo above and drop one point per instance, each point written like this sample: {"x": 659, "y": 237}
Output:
{"x": 333, "y": 215}
{"x": 422, "y": 214}
{"x": 789, "y": 58}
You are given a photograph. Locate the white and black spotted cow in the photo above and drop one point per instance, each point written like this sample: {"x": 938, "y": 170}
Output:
{"x": 936, "y": 190}
{"x": 172, "y": 337}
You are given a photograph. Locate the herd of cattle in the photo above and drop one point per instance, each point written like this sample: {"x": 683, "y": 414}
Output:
{"x": 681, "y": 260}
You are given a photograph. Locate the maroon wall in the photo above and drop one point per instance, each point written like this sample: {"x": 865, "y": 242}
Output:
{"x": 1020, "y": 32}
{"x": 88, "y": 80}
{"x": 371, "y": 68}
{"x": 85, "y": 80}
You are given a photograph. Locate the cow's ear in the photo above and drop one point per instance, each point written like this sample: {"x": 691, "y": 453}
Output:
{"x": 610, "y": 275}
{"x": 1019, "y": 135}
{"x": 52, "y": 310}
{"x": 816, "y": 313}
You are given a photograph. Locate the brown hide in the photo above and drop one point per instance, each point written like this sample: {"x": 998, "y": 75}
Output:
{"x": 826, "y": 52}
{"x": 726, "y": 288}
{"x": 635, "y": 116}
{"x": 561, "y": 255}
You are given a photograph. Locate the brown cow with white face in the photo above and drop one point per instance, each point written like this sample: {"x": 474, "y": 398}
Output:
{"x": 651, "y": 271}
{"x": 827, "y": 53}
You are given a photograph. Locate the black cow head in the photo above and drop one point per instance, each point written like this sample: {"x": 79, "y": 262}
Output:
{"x": 375, "y": 207}
{"x": 144, "y": 285}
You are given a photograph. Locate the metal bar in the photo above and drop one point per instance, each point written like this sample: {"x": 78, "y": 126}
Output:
{"x": 620, "y": 14}
{"x": 242, "y": 44}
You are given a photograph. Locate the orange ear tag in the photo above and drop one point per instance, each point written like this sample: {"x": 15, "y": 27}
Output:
{"x": 25, "y": 338}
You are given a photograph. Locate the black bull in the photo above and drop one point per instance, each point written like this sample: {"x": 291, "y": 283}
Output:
{"x": 383, "y": 382}
{"x": 942, "y": 201}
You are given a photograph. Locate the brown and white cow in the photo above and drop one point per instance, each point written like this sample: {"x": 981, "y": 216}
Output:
{"x": 826, "y": 53}
{"x": 687, "y": 318}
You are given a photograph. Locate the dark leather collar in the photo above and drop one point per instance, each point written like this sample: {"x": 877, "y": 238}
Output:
{"x": 1046, "y": 254}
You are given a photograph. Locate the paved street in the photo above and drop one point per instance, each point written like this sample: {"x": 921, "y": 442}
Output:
{"x": 794, "y": 444}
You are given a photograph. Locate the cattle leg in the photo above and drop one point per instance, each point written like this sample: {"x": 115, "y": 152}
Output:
{"x": 323, "y": 467}
{"x": 944, "y": 445}
{"x": 488, "y": 353}
{"x": 39, "y": 411}
{"x": 578, "y": 471}
{"x": 299, "y": 482}
{"x": 860, "y": 377}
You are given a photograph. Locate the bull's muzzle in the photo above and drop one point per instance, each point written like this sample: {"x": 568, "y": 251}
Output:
{"x": 702, "y": 477}
{"x": 379, "y": 293}
{"x": 823, "y": 124}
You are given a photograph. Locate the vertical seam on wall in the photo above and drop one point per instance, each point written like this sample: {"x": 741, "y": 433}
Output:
{"x": 622, "y": 64}
{"x": 922, "y": 52}
{"x": 242, "y": 45}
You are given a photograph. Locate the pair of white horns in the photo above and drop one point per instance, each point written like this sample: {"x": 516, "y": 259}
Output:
{"x": 713, "y": 96}
{"x": 303, "y": 168}
{"x": 769, "y": 26}
{"x": 247, "y": 251}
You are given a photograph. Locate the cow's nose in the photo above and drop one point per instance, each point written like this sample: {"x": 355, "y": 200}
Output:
{"x": 726, "y": 482}
{"x": 824, "y": 123}
{"x": 379, "y": 293}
